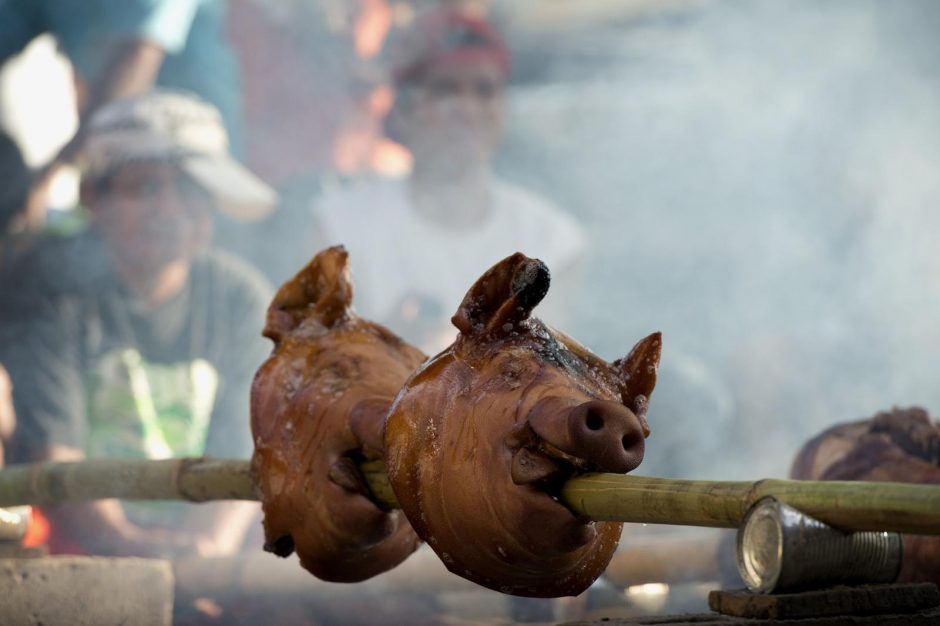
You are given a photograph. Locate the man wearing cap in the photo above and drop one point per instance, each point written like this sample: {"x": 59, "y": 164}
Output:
{"x": 418, "y": 243}
{"x": 135, "y": 339}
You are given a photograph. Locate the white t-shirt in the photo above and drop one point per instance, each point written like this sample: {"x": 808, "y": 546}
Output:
{"x": 411, "y": 274}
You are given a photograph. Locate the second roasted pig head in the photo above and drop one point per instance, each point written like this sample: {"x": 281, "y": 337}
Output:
{"x": 318, "y": 406}
{"x": 481, "y": 437}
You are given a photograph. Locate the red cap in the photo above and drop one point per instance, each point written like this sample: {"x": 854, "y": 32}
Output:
{"x": 445, "y": 36}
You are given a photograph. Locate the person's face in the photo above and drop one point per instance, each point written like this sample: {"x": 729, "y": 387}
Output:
{"x": 456, "y": 116}
{"x": 152, "y": 214}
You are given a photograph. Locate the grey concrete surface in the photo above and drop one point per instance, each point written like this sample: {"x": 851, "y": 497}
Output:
{"x": 78, "y": 591}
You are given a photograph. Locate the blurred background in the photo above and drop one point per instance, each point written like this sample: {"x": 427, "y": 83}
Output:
{"x": 758, "y": 180}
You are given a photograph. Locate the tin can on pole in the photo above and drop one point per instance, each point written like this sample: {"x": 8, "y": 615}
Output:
{"x": 781, "y": 549}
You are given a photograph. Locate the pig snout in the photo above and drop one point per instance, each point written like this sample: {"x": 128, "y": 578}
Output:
{"x": 605, "y": 434}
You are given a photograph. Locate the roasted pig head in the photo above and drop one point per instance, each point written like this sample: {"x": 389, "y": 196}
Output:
{"x": 318, "y": 406}
{"x": 482, "y": 436}
{"x": 900, "y": 445}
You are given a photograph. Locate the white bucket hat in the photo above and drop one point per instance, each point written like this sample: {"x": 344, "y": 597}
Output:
{"x": 175, "y": 126}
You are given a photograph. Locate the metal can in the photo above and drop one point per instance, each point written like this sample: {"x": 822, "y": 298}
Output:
{"x": 14, "y": 522}
{"x": 781, "y": 549}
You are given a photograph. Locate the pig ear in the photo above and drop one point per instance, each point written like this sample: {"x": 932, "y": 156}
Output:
{"x": 637, "y": 373}
{"x": 322, "y": 290}
{"x": 504, "y": 296}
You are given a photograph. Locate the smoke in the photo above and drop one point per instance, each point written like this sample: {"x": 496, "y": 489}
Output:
{"x": 759, "y": 180}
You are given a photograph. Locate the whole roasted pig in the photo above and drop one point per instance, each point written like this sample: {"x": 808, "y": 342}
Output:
{"x": 900, "y": 445}
{"x": 318, "y": 406}
{"x": 482, "y": 436}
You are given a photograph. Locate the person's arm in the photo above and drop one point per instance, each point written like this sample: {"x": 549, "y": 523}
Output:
{"x": 135, "y": 47}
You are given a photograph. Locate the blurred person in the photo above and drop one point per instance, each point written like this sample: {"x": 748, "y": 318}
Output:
{"x": 330, "y": 121}
{"x": 296, "y": 66}
{"x": 15, "y": 179}
{"x": 418, "y": 242}
{"x": 135, "y": 339}
{"x": 308, "y": 136}
{"x": 124, "y": 47}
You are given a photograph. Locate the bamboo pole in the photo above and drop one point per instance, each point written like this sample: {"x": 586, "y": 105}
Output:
{"x": 850, "y": 506}
{"x": 847, "y": 505}
{"x": 192, "y": 479}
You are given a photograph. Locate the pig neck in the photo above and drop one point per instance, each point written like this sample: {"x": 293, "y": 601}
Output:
{"x": 454, "y": 202}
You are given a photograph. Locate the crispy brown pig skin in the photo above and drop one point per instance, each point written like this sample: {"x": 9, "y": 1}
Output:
{"x": 318, "y": 406}
{"x": 900, "y": 445}
{"x": 482, "y": 436}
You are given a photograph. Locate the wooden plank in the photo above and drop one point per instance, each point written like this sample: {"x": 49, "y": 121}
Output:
{"x": 841, "y": 600}
{"x": 924, "y": 618}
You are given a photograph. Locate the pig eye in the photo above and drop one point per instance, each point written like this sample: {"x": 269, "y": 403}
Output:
{"x": 512, "y": 370}
{"x": 511, "y": 376}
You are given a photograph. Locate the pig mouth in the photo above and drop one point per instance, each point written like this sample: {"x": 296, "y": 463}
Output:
{"x": 545, "y": 469}
{"x": 347, "y": 474}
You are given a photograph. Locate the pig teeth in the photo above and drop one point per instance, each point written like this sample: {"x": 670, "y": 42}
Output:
{"x": 529, "y": 467}
{"x": 559, "y": 456}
